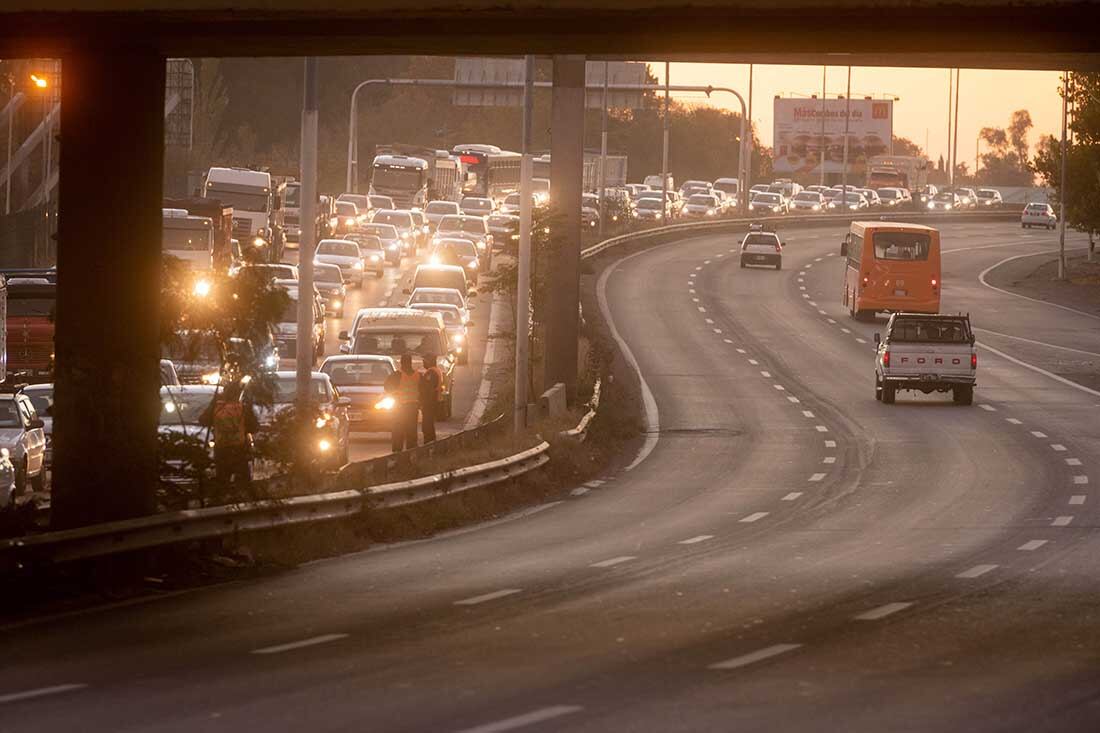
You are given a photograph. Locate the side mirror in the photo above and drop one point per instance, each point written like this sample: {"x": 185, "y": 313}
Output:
{"x": 36, "y": 423}
{"x": 343, "y": 401}
{"x": 843, "y": 249}
{"x": 344, "y": 336}
{"x": 973, "y": 339}
{"x": 878, "y": 338}
{"x": 345, "y": 349}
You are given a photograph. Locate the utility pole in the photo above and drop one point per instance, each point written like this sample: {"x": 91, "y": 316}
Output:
{"x": 824, "y": 70}
{"x": 664, "y": 153}
{"x": 603, "y": 146}
{"x": 1062, "y": 185}
{"x": 11, "y": 123}
{"x": 308, "y": 243}
{"x": 847, "y": 118}
{"x": 743, "y": 185}
{"x": 523, "y": 286}
{"x": 947, "y": 142}
{"x": 955, "y": 137}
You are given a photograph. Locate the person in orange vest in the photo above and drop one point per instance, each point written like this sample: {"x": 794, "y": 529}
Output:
{"x": 405, "y": 414}
{"x": 233, "y": 421}
{"x": 431, "y": 394}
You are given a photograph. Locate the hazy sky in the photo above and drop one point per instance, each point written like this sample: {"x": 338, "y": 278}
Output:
{"x": 986, "y": 98}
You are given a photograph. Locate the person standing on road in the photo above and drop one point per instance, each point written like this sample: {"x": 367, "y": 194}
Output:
{"x": 431, "y": 394}
{"x": 233, "y": 421}
{"x": 408, "y": 405}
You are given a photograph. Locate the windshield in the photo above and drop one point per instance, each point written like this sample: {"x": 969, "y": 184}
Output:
{"x": 337, "y": 247}
{"x": 401, "y": 219}
{"x": 462, "y": 224}
{"x": 442, "y": 207}
{"x": 702, "y": 200}
{"x": 361, "y": 201}
{"x": 178, "y": 408}
{"x": 479, "y": 204}
{"x": 435, "y": 296}
{"x": 187, "y": 348}
{"x": 238, "y": 200}
{"x": 767, "y": 198}
{"x": 327, "y": 275}
{"x": 42, "y": 399}
{"x": 764, "y": 239}
{"x": 938, "y": 331}
{"x": 450, "y": 316}
{"x": 346, "y": 208}
{"x": 31, "y": 307}
{"x": 397, "y": 342}
{"x": 368, "y": 243}
{"x": 648, "y": 203}
{"x": 945, "y": 197}
{"x": 888, "y": 193}
{"x": 395, "y": 177}
{"x": 291, "y": 195}
{"x": 9, "y": 414}
{"x": 730, "y": 188}
{"x": 986, "y": 193}
{"x": 189, "y": 240}
{"x": 286, "y": 390}
{"x": 901, "y": 245}
{"x": 357, "y": 373}
{"x": 808, "y": 196}
{"x": 380, "y": 202}
{"x": 384, "y": 231}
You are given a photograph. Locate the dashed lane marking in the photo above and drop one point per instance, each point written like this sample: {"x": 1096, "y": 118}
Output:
{"x": 829, "y": 459}
{"x": 780, "y": 387}
{"x": 805, "y": 295}
{"x": 758, "y": 656}
{"x": 1058, "y": 447}
{"x": 696, "y": 539}
{"x": 862, "y": 341}
{"x": 702, "y": 309}
{"x": 755, "y": 516}
{"x": 821, "y": 312}
{"x": 40, "y": 692}
{"x": 710, "y": 321}
{"x": 813, "y": 303}
{"x": 754, "y": 362}
{"x": 706, "y": 262}
{"x": 883, "y": 611}
{"x": 766, "y": 375}
{"x": 1080, "y": 480}
{"x": 818, "y": 259}
{"x": 1062, "y": 521}
{"x": 792, "y": 496}
{"x": 579, "y": 491}
{"x": 830, "y": 320}
{"x": 1038, "y": 434}
{"x": 1032, "y": 545}
{"x": 313, "y": 641}
{"x": 717, "y": 330}
{"x": 830, "y": 444}
{"x": 807, "y": 413}
{"x": 821, "y": 428}
{"x": 816, "y": 477}
{"x": 613, "y": 561}
{"x": 793, "y": 399}
{"x": 1073, "y": 461}
{"x": 1014, "y": 421}
{"x": 522, "y": 721}
{"x": 1077, "y": 499}
{"x": 486, "y": 597}
{"x": 988, "y": 408}
{"x": 728, "y": 341}
{"x": 741, "y": 351}
{"x": 976, "y": 571}
{"x": 845, "y": 330}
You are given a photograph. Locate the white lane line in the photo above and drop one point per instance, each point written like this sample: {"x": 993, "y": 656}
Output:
{"x": 845, "y": 330}
{"x": 807, "y": 413}
{"x": 706, "y": 262}
{"x": 758, "y": 656}
{"x": 809, "y": 265}
{"x": 1014, "y": 421}
{"x": 830, "y": 444}
{"x": 818, "y": 259}
{"x": 710, "y": 321}
{"x": 1038, "y": 343}
{"x": 780, "y": 387}
{"x": 696, "y": 539}
{"x": 728, "y": 341}
{"x": 754, "y": 362}
{"x": 821, "y": 428}
{"x": 812, "y": 303}
{"x": 882, "y": 611}
{"x": 816, "y": 477}
{"x": 1037, "y": 370}
{"x": 720, "y": 254}
{"x": 829, "y": 459}
{"x": 594, "y": 483}
{"x": 821, "y": 311}
{"x": 579, "y": 491}
{"x": 1038, "y": 434}
{"x": 489, "y": 360}
{"x": 801, "y": 287}
{"x": 792, "y": 496}
{"x": 649, "y": 403}
{"x": 700, "y": 267}
{"x": 1077, "y": 499}
{"x": 986, "y": 271}
{"x": 313, "y": 641}
{"x": 830, "y": 320}
{"x": 717, "y": 330}
{"x": 766, "y": 375}
{"x": 862, "y": 341}
{"x": 1058, "y": 447}
{"x": 754, "y": 517}
{"x": 613, "y": 561}
{"x": 801, "y": 280}
{"x": 742, "y": 351}
{"x": 987, "y": 408}
{"x": 1073, "y": 461}
{"x": 694, "y": 300}
{"x": 1032, "y": 545}
{"x": 1080, "y": 480}
{"x": 805, "y": 295}
{"x": 801, "y": 272}
{"x": 473, "y": 601}
{"x": 1062, "y": 521}
{"x": 40, "y": 692}
{"x": 975, "y": 571}
{"x": 522, "y": 721}
{"x": 793, "y": 399}
{"x": 692, "y": 275}
{"x": 702, "y": 309}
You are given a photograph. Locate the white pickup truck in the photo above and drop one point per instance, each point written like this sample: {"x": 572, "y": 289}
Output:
{"x": 929, "y": 353}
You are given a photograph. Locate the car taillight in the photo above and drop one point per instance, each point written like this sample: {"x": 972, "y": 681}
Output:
{"x": 935, "y": 285}
{"x": 778, "y": 248}
{"x": 866, "y": 280}
{"x": 886, "y": 359}
{"x": 974, "y": 360}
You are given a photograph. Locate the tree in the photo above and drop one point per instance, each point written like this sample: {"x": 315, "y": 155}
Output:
{"x": 905, "y": 146}
{"x": 1005, "y": 160}
{"x": 1082, "y": 192}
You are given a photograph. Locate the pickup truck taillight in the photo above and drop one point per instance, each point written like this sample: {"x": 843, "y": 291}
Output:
{"x": 974, "y": 360}
{"x": 778, "y": 248}
{"x": 886, "y": 359}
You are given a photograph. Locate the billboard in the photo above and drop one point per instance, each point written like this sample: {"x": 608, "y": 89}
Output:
{"x": 618, "y": 72}
{"x": 797, "y": 137}
{"x": 489, "y": 71}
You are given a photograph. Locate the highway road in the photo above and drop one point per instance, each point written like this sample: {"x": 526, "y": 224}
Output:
{"x": 789, "y": 555}
{"x": 387, "y": 291}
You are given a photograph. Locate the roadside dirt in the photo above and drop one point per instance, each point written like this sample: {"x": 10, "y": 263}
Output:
{"x": 1037, "y": 277}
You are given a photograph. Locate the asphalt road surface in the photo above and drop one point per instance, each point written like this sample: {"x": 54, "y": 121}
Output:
{"x": 791, "y": 555}
{"x": 388, "y": 292}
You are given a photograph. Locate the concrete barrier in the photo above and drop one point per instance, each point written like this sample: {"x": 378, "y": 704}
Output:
{"x": 553, "y": 403}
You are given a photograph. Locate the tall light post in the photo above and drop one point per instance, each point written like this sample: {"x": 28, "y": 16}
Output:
{"x": 664, "y": 154}
{"x": 603, "y": 145}
{"x": 955, "y": 141}
{"x": 11, "y": 124}
{"x": 523, "y": 276}
{"x": 743, "y": 184}
{"x": 1062, "y": 184}
{"x": 824, "y": 70}
{"x": 947, "y": 140}
{"x": 847, "y": 118}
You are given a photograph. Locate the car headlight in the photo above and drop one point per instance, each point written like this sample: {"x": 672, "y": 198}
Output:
{"x": 710, "y": 212}
{"x": 931, "y": 204}
{"x": 472, "y": 264}
{"x": 776, "y": 207}
{"x": 425, "y": 229}
{"x": 202, "y": 287}
{"x": 336, "y": 303}
{"x": 374, "y": 258}
{"x": 481, "y": 244}
{"x": 324, "y": 445}
{"x": 393, "y": 247}
{"x": 169, "y": 407}
{"x": 458, "y": 338}
{"x": 854, "y": 207}
{"x": 386, "y": 403}
{"x": 947, "y": 207}
{"x": 211, "y": 378}
{"x": 350, "y": 221}
{"x": 434, "y": 260}
{"x": 258, "y": 242}
{"x": 817, "y": 207}
{"x": 5, "y": 453}
{"x": 271, "y": 361}
{"x": 404, "y": 235}
{"x": 358, "y": 265}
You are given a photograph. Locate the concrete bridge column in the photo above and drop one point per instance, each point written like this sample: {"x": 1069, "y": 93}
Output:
{"x": 108, "y": 295}
{"x": 566, "y": 172}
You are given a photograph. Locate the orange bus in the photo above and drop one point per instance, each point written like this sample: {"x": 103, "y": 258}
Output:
{"x": 891, "y": 267}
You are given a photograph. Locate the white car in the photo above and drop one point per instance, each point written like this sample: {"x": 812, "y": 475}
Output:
{"x": 436, "y": 210}
{"x": 1038, "y": 215}
{"x": 768, "y": 203}
{"x": 808, "y": 201}
{"x": 894, "y": 196}
{"x": 343, "y": 253}
{"x": 457, "y": 325}
{"x": 390, "y": 238}
{"x": 476, "y": 206}
{"x": 360, "y": 379}
{"x": 423, "y": 296}
{"x": 23, "y": 440}
{"x": 989, "y": 198}
{"x": 701, "y": 206}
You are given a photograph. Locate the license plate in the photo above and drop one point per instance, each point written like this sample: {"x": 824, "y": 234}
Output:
{"x": 760, "y": 258}
{"x": 355, "y": 416}
{"x": 901, "y": 292}
{"x": 929, "y": 377}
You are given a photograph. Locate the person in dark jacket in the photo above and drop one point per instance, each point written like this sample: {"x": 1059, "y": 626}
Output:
{"x": 431, "y": 394}
{"x": 407, "y": 409}
{"x": 233, "y": 421}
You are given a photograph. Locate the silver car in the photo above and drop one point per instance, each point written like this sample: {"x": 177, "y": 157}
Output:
{"x": 23, "y": 440}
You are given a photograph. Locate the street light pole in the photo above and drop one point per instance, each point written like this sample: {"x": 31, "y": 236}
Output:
{"x": 947, "y": 142}
{"x": 955, "y": 142}
{"x": 1062, "y": 185}
{"x": 824, "y": 70}
{"x": 847, "y": 118}
{"x": 7, "y": 168}
{"x": 603, "y": 145}
{"x": 743, "y": 184}
{"x": 664, "y": 154}
{"x": 308, "y": 243}
{"x": 523, "y": 277}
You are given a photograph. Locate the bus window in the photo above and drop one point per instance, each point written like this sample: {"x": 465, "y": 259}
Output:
{"x": 901, "y": 246}
{"x": 855, "y": 249}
